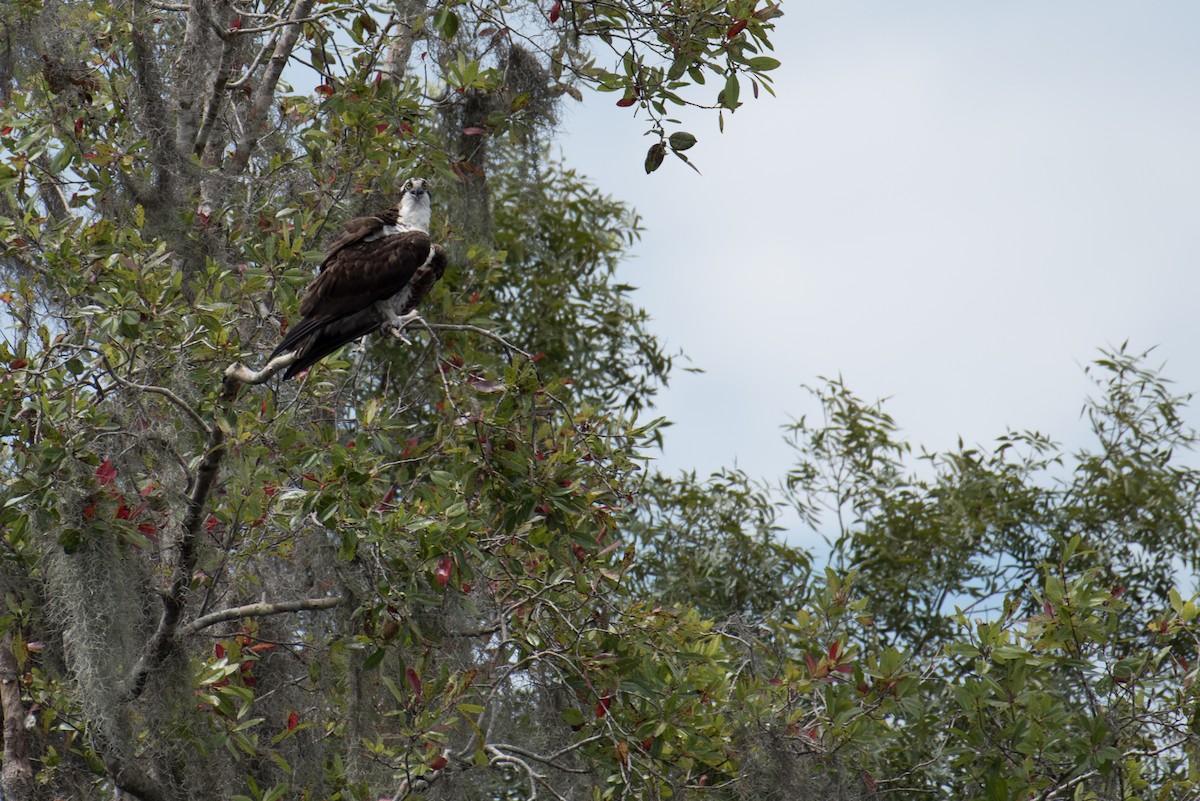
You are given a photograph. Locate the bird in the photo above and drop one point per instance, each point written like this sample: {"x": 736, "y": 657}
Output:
{"x": 374, "y": 274}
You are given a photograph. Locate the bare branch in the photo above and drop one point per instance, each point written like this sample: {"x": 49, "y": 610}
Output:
{"x": 264, "y": 93}
{"x": 260, "y": 610}
{"x": 277, "y": 25}
{"x": 492, "y": 335}
{"x": 548, "y": 760}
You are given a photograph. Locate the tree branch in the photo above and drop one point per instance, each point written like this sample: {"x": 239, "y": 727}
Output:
{"x": 161, "y": 643}
{"x": 237, "y": 374}
{"x": 216, "y": 95}
{"x": 264, "y": 93}
{"x": 260, "y": 610}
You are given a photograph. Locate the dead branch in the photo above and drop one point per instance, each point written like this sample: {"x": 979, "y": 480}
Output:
{"x": 261, "y": 609}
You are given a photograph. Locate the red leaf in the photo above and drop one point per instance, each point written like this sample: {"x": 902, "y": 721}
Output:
{"x": 555, "y": 11}
{"x": 474, "y": 131}
{"x": 869, "y": 780}
{"x": 442, "y": 573}
{"x": 625, "y": 102}
{"x": 833, "y": 649}
{"x": 438, "y": 763}
{"x": 236, "y": 24}
{"x": 17, "y": 364}
{"x": 293, "y": 721}
{"x": 381, "y": 127}
{"x": 602, "y": 707}
{"x": 580, "y": 553}
{"x": 146, "y": 490}
{"x": 735, "y": 29}
{"x": 325, "y": 90}
{"x": 105, "y": 473}
{"x": 123, "y": 512}
{"x": 148, "y": 530}
{"x": 414, "y": 680}
{"x": 6, "y": 130}
{"x": 210, "y": 523}
{"x": 219, "y": 651}
{"x": 79, "y": 126}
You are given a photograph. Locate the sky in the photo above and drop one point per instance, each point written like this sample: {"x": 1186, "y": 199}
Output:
{"x": 950, "y": 205}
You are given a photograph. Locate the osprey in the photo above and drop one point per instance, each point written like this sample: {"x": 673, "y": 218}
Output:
{"x": 376, "y": 272}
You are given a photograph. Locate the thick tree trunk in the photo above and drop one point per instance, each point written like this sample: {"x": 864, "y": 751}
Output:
{"x": 16, "y": 778}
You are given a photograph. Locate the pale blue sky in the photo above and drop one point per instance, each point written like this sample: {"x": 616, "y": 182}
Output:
{"x": 952, "y": 204}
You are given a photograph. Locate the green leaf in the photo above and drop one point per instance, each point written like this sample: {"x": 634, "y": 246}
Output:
{"x": 763, "y": 63}
{"x": 682, "y": 140}
{"x": 655, "y": 156}
{"x": 374, "y": 659}
{"x": 728, "y": 97}
{"x": 572, "y": 717}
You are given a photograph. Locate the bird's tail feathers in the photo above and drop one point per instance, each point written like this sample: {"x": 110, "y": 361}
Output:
{"x": 312, "y": 339}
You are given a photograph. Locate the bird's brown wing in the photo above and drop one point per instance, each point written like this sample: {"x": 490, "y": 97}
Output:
{"x": 358, "y": 230}
{"x": 362, "y": 272}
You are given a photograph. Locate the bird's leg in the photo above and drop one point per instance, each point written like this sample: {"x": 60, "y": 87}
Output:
{"x": 395, "y": 324}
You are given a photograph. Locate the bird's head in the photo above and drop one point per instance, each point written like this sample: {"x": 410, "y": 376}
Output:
{"x": 414, "y": 204}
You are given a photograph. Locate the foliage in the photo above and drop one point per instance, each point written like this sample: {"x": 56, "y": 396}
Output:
{"x": 400, "y": 575}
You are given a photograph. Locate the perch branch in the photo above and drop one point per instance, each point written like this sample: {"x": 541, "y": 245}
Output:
{"x": 238, "y": 373}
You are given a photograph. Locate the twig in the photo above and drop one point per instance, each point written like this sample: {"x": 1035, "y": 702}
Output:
{"x": 492, "y": 335}
{"x": 259, "y": 610}
{"x": 546, "y": 760}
